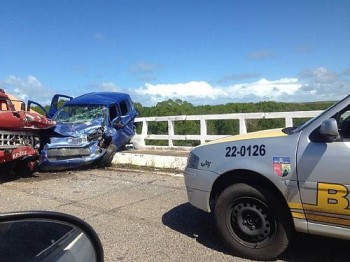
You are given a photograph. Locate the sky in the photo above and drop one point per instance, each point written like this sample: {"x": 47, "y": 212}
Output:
{"x": 199, "y": 51}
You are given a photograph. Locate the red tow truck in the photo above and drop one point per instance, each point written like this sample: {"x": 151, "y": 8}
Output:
{"x": 19, "y": 134}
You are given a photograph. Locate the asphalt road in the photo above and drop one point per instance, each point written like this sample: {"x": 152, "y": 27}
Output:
{"x": 142, "y": 215}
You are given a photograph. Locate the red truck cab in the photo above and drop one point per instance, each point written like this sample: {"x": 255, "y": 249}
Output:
{"x": 19, "y": 134}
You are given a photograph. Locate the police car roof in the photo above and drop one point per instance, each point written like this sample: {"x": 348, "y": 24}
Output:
{"x": 99, "y": 98}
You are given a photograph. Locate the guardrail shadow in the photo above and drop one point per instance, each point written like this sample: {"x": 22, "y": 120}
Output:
{"x": 199, "y": 225}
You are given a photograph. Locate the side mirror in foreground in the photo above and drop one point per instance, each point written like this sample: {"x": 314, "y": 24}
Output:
{"x": 47, "y": 236}
{"x": 329, "y": 129}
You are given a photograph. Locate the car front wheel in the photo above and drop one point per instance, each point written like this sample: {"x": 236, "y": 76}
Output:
{"x": 252, "y": 222}
{"x": 106, "y": 160}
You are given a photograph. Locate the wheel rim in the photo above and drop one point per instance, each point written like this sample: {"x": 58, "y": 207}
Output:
{"x": 250, "y": 222}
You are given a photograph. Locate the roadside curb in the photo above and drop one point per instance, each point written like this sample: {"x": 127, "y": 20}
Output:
{"x": 150, "y": 159}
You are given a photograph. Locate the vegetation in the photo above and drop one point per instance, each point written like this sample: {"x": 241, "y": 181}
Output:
{"x": 179, "y": 107}
{"x": 219, "y": 127}
{"x": 61, "y": 102}
{"x": 215, "y": 127}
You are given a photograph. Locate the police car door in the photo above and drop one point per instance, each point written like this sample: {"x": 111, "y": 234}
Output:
{"x": 324, "y": 176}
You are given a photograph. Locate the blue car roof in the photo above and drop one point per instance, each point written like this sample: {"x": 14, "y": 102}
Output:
{"x": 98, "y": 98}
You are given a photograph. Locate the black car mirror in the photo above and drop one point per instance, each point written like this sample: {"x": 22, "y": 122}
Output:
{"x": 329, "y": 129}
{"x": 47, "y": 236}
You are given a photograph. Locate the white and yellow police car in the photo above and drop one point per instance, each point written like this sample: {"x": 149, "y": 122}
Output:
{"x": 262, "y": 186}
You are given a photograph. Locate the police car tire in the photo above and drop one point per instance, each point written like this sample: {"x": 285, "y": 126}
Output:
{"x": 252, "y": 221}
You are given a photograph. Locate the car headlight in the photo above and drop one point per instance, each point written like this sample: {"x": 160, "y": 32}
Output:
{"x": 36, "y": 143}
{"x": 192, "y": 161}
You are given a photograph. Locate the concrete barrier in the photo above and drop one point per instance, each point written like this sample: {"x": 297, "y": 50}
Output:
{"x": 172, "y": 159}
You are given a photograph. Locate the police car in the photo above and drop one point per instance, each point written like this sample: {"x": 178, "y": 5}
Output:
{"x": 262, "y": 186}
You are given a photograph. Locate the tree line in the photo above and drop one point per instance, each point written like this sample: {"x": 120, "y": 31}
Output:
{"x": 216, "y": 127}
{"x": 219, "y": 127}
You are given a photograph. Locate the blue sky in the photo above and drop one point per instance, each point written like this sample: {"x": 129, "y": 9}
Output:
{"x": 201, "y": 51}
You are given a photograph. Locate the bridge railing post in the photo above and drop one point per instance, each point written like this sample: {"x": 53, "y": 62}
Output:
{"x": 144, "y": 131}
{"x": 242, "y": 126}
{"x": 289, "y": 121}
{"x": 171, "y": 133}
{"x": 203, "y": 131}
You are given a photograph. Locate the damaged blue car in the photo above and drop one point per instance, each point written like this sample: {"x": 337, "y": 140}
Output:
{"x": 89, "y": 129}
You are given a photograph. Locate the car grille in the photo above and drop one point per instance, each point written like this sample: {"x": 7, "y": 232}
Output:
{"x": 9, "y": 139}
{"x": 68, "y": 152}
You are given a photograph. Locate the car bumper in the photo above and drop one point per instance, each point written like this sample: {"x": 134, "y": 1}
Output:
{"x": 198, "y": 185}
{"x": 49, "y": 164}
{"x": 7, "y": 155}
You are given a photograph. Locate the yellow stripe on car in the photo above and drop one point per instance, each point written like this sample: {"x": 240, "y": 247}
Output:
{"x": 295, "y": 205}
{"x": 260, "y": 134}
{"x": 298, "y": 215}
{"x": 328, "y": 219}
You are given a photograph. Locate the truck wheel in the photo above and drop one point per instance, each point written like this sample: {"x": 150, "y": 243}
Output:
{"x": 253, "y": 222}
{"x": 106, "y": 160}
{"x": 24, "y": 167}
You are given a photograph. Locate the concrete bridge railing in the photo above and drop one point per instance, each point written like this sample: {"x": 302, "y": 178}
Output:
{"x": 203, "y": 120}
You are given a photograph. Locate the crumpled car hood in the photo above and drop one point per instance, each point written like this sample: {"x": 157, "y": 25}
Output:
{"x": 76, "y": 130}
{"x": 23, "y": 120}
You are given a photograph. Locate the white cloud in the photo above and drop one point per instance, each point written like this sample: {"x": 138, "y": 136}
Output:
{"x": 321, "y": 75}
{"x": 108, "y": 87}
{"x": 201, "y": 92}
{"x": 323, "y": 84}
{"x": 265, "y": 89}
{"x": 27, "y": 88}
{"x": 311, "y": 85}
{"x": 198, "y": 90}
{"x": 319, "y": 84}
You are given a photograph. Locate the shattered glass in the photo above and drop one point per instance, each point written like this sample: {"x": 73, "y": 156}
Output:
{"x": 80, "y": 113}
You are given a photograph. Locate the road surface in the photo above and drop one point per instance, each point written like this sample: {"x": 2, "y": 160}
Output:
{"x": 142, "y": 215}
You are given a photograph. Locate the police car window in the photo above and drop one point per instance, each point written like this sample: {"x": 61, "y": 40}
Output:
{"x": 308, "y": 123}
{"x": 344, "y": 122}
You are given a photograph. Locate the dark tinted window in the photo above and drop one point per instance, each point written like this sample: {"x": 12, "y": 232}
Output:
{"x": 112, "y": 112}
{"x": 124, "y": 107}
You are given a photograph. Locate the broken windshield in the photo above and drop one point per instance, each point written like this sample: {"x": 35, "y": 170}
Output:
{"x": 79, "y": 113}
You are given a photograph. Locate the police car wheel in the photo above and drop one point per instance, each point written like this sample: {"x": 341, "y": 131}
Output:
{"x": 252, "y": 222}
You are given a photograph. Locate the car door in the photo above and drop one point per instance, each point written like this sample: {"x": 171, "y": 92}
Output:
{"x": 323, "y": 168}
{"x": 125, "y": 121}
{"x": 57, "y": 102}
